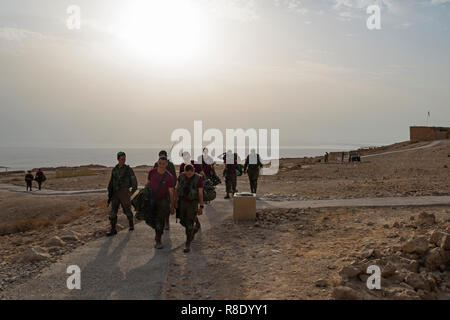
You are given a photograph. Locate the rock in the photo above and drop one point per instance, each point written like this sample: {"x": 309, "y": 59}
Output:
{"x": 396, "y": 225}
{"x": 17, "y": 241}
{"x": 350, "y": 271}
{"x": 436, "y": 237}
{"x": 54, "y": 242}
{"x": 416, "y": 245}
{"x": 426, "y": 218}
{"x": 32, "y": 255}
{"x": 321, "y": 283}
{"x": 388, "y": 270}
{"x": 346, "y": 293}
{"x": 69, "y": 235}
{"x": 435, "y": 258}
{"x": 417, "y": 281}
{"x": 445, "y": 242}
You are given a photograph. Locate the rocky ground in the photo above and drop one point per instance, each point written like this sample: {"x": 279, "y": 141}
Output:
{"x": 46, "y": 239}
{"x": 308, "y": 254}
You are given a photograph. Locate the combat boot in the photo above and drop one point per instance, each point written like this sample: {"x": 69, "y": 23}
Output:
{"x": 131, "y": 222}
{"x": 158, "y": 244}
{"x": 113, "y": 229}
{"x": 189, "y": 239}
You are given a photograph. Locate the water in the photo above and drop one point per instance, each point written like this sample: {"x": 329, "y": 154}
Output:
{"x": 19, "y": 158}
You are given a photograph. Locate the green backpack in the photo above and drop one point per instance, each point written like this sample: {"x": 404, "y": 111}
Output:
{"x": 209, "y": 190}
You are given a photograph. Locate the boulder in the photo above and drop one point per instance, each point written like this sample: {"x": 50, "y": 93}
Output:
{"x": 33, "y": 254}
{"x": 435, "y": 258}
{"x": 54, "y": 242}
{"x": 437, "y": 236}
{"x": 350, "y": 272}
{"x": 445, "y": 242}
{"x": 321, "y": 283}
{"x": 388, "y": 270}
{"x": 69, "y": 235}
{"x": 416, "y": 245}
{"x": 417, "y": 281}
{"x": 426, "y": 219}
{"x": 346, "y": 293}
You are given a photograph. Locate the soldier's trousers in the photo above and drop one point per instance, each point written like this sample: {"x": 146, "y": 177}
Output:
{"x": 159, "y": 213}
{"x": 29, "y": 185}
{"x": 121, "y": 198}
{"x": 230, "y": 182}
{"x": 253, "y": 175}
{"x": 188, "y": 215}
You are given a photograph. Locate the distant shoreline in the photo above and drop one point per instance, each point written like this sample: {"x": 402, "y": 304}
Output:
{"x": 22, "y": 159}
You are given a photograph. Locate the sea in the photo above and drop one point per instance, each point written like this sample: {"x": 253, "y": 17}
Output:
{"x": 21, "y": 158}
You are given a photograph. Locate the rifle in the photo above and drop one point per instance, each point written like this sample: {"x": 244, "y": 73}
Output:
{"x": 110, "y": 195}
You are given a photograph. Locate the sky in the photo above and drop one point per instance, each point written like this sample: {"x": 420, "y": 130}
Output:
{"x": 137, "y": 70}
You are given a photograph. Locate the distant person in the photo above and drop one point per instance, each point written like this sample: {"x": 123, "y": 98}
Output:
{"x": 162, "y": 183}
{"x": 29, "y": 180}
{"x": 230, "y": 160}
{"x": 252, "y": 167}
{"x": 326, "y": 157}
{"x": 342, "y": 157}
{"x": 122, "y": 180}
{"x": 40, "y": 178}
{"x": 172, "y": 170}
{"x": 188, "y": 197}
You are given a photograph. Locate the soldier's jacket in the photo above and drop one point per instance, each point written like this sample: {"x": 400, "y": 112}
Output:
{"x": 170, "y": 168}
{"x": 122, "y": 178}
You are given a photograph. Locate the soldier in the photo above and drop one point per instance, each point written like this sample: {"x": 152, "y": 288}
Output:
{"x": 231, "y": 160}
{"x": 207, "y": 163}
{"x": 122, "y": 179}
{"x": 252, "y": 166}
{"x": 40, "y": 177}
{"x": 162, "y": 183}
{"x": 29, "y": 180}
{"x": 189, "y": 192}
{"x": 187, "y": 159}
{"x": 171, "y": 169}
{"x": 342, "y": 157}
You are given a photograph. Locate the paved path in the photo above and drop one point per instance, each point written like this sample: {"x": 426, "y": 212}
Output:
{"x": 122, "y": 267}
{"x": 429, "y": 145}
{"x": 128, "y": 267}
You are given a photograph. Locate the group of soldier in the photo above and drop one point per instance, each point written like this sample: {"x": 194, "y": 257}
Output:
{"x": 183, "y": 193}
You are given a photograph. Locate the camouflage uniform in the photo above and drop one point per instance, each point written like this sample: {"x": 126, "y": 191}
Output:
{"x": 188, "y": 204}
{"x": 122, "y": 179}
{"x": 252, "y": 170}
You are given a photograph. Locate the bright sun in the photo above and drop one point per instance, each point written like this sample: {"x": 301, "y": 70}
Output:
{"x": 164, "y": 31}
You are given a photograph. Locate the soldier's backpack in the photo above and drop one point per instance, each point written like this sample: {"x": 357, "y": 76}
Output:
{"x": 209, "y": 190}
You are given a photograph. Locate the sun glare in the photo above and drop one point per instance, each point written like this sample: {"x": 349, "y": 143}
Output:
{"x": 164, "y": 31}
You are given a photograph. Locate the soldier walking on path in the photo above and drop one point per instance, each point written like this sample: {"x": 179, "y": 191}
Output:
{"x": 162, "y": 183}
{"x": 230, "y": 160}
{"x": 40, "y": 177}
{"x": 122, "y": 180}
{"x": 252, "y": 167}
{"x": 189, "y": 192}
{"x": 172, "y": 170}
{"x": 29, "y": 180}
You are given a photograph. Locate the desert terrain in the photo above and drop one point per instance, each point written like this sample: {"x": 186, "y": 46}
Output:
{"x": 294, "y": 253}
